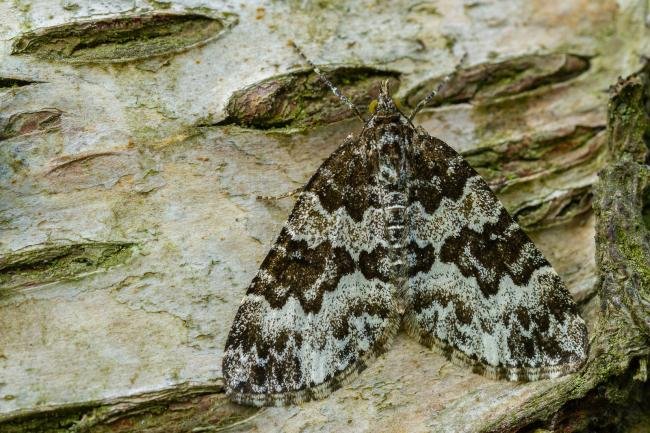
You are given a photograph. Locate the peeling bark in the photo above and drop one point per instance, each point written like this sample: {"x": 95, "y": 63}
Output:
{"x": 29, "y": 123}
{"x": 300, "y": 99}
{"x": 121, "y": 39}
{"x": 507, "y": 78}
{"x": 21, "y": 270}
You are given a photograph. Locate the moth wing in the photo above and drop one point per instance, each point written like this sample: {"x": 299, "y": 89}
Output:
{"x": 320, "y": 307}
{"x": 478, "y": 288}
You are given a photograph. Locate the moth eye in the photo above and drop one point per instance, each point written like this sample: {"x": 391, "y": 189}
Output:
{"x": 372, "y": 107}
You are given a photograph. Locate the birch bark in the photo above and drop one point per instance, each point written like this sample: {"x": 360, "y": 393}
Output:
{"x": 136, "y": 135}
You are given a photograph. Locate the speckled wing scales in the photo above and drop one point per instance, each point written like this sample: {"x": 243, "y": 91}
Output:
{"x": 321, "y": 306}
{"x": 478, "y": 288}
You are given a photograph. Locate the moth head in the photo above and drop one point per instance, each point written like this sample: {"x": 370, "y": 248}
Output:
{"x": 385, "y": 105}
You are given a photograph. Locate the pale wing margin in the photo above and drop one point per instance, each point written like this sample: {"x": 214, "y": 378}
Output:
{"x": 479, "y": 290}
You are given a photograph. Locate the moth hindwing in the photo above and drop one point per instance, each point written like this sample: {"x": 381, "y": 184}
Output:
{"x": 395, "y": 230}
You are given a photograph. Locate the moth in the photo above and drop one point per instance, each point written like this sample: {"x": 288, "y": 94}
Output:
{"x": 395, "y": 231}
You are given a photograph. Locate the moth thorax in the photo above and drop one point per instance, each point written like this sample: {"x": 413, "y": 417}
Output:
{"x": 391, "y": 155}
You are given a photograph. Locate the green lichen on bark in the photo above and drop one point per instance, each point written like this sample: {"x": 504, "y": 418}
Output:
{"x": 622, "y": 232}
{"x": 121, "y": 39}
{"x": 56, "y": 421}
{"x": 59, "y": 262}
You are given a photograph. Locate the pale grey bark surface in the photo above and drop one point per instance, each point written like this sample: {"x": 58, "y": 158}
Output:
{"x": 129, "y": 221}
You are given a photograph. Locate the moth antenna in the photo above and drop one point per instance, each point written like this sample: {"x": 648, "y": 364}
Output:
{"x": 434, "y": 92}
{"x": 329, "y": 84}
{"x": 281, "y": 196}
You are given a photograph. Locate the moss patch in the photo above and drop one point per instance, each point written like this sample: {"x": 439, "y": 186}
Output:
{"x": 636, "y": 256}
{"x": 645, "y": 213}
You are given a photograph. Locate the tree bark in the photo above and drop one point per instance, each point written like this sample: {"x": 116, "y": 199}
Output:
{"x": 135, "y": 139}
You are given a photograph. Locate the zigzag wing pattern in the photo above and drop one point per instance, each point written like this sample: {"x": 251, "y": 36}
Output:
{"x": 321, "y": 306}
{"x": 478, "y": 288}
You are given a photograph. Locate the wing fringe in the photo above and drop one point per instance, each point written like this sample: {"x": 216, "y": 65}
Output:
{"x": 324, "y": 389}
{"x": 513, "y": 374}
